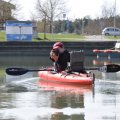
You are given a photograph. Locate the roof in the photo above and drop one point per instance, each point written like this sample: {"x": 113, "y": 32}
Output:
{"x": 18, "y": 23}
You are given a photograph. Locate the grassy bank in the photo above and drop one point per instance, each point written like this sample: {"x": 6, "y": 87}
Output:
{"x": 52, "y": 37}
{"x": 2, "y": 75}
{"x": 60, "y": 37}
{"x": 113, "y": 38}
{"x": 2, "y": 36}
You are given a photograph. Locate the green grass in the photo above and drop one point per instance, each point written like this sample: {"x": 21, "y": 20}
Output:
{"x": 52, "y": 37}
{"x": 2, "y": 72}
{"x": 61, "y": 37}
{"x": 2, "y": 75}
{"x": 2, "y": 36}
{"x": 113, "y": 38}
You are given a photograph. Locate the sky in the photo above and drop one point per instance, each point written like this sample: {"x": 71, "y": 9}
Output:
{"x": 77, "y": 8}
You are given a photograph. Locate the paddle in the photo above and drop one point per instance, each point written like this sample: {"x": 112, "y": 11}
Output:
{"x": 106, "y": 68}
{"x": 21, "y": 71}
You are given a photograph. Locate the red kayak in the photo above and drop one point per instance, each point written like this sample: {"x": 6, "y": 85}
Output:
{"x": 62, "y": 77}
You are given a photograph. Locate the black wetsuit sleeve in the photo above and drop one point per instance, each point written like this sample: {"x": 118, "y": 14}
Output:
{"x": 63, "y": 60}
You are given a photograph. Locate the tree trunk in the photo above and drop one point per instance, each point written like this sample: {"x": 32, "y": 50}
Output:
{"x": 45, "y": 28}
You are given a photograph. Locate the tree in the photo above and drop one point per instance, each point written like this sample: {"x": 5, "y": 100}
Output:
{"x": 108, "y": 15}
{"x": 8, "y": 10}
{"x": 50, "y": 10}
{"x": 107, "y": 12}
{"x": 5, "y": 10}
{"x": 17, "y": 8}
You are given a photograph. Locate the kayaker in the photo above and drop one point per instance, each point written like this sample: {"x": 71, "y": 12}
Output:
{"x": 60, "y": 56}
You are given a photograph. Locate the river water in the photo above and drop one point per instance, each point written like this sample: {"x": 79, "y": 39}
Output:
{"x": 22, "y": 98}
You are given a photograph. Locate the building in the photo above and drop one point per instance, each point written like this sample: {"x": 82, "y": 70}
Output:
{"x": 19, "y": 30}
{"x": 5, "y": 12}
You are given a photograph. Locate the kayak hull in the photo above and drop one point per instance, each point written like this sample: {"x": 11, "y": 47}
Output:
{"x": 72, "y": 88}
{"x": 75, "y": 78}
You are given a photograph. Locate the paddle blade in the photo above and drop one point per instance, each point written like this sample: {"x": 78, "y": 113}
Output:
{"x": 106, "y": 68}
{"x": 112, "y": 68}
{"x": 16, "y": 71}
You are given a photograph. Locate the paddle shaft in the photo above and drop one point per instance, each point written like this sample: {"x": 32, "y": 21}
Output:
{"x": 21, "y": 71}
{"x": 35, "y": 70}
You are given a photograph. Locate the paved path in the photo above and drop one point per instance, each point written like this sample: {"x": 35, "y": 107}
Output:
{"x": 95, "y": 38}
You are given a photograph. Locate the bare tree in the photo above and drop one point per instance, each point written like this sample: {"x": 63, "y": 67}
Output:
{"x": 107, "y": 12}
{"x": 5, "y": 10}
{"x": 17, "y": 8}
{"x": 8, "y": 9}
{"x": 108, "y": 15}
{"x": 49, "y": 10}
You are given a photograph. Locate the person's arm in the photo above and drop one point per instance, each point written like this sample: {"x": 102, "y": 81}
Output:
{"x": 54, "y": 55}
{"x": 51, "y": 56}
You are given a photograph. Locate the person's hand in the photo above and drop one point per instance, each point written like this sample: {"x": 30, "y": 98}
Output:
{"x": 54, "y": 56}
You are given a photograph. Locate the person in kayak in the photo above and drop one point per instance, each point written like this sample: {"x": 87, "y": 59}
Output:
{"x": 60, "y": 57}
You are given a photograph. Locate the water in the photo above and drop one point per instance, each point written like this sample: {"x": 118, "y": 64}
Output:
{"x": 21, "y": 98}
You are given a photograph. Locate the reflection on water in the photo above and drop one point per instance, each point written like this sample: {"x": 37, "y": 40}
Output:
{"x": 104, "y": 61}
{"x": 27, "y": 98}
{"x": 111, "y": 76}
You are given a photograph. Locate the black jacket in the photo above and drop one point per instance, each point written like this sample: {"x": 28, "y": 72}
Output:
{"x": 63, "y": 59}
